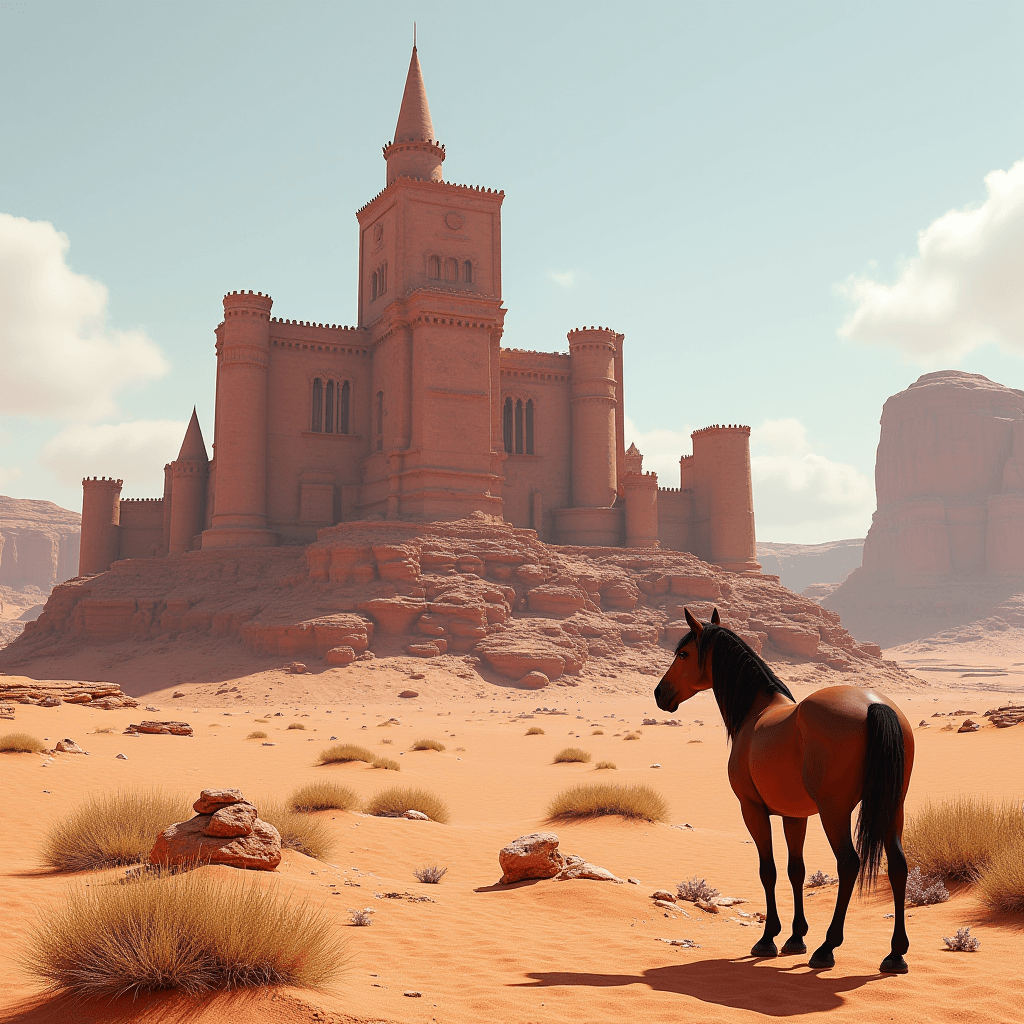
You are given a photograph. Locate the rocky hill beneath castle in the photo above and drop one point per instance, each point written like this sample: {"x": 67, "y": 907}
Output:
{"x": 478, "y": 592}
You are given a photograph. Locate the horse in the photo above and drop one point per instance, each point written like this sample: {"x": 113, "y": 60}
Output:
{"x": 839, "y": 746}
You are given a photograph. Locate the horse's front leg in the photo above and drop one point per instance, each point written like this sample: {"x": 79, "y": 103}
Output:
{"x": 759, "y": 825}
{"x": 796, "y": 830}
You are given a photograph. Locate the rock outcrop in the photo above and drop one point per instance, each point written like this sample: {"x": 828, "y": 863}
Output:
{"x": 161, "y": 728}
{"x": 536, "y": 856}
{"x": 52, "y": 693}
{"x": 39, "y": 543}
{"x": 225, "y": 830}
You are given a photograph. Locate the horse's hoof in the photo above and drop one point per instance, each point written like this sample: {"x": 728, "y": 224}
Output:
{"x": 792, "y": 947}
{"x": 822, "y": 958}
{"x": 765, "y": 948}
{"x": 894, "y": 964}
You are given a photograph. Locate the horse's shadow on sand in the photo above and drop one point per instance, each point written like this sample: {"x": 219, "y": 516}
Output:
{"x": 776, "y": 991}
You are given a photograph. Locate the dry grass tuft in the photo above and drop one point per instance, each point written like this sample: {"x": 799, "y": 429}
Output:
{"x": 394, "y": 802}
{"x": 20, "y": 743}
{"x": 428, "y": 745}
{"x": 188, "y": 931}
{"x": 1001, "y": 886}
{"x": 385, "y": 740}
{"x": 594, "y": 799}
{"x": 535, "y": 730}
{"x": 571, "y": 755}
{"x": 962, "y": 942}
{"x": 631, "y": 736}
{"x": 959, "y": 838}
{"x": 106, "y": 728}
{"x": 387, "y": 763}
{"x": 257, "y": 734}
{"x": 696, "y": 889}
{"x": 432, "y": 873}
{"x": 296, "y": 725}
{"x": 298, "y": 831}
{"x": 112, "y": 830}
{"x": 344, "y": 752}
{"x": 361, "y": 918}
{"x": 323, "y": 796}
{"x": 602, "y": 765}
{"x": 597, "y": 732}
{"x": 262, "y": 721}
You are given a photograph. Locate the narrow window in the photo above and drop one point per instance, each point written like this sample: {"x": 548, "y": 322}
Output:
{"x": 383, "y": 279}
{"x": 506, "y": 425}
{"x": 329, "y": 409}
{"x": 380, "y": 421}
{"x": 451, "y": 270}
{"x": 529, "y": 426}
{"x": 318, "y": 406}
{"x": 434, "y": 268}
{"x": 467, "y": 272}
{"x": 373, "y": 285}
{"x": 343, "y": 409}
{"x": 519, "y": 426}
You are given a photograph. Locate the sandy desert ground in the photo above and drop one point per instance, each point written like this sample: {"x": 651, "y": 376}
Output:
{"x": 545, "y": 951}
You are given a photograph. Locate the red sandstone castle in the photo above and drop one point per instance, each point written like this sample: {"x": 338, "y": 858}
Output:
{"x": 419, "y": 413}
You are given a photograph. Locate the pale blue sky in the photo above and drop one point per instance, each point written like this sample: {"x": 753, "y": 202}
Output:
{"x": 700, "y": 176}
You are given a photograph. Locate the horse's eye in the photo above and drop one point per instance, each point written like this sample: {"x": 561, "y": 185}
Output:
{"x": 683, "y": 654}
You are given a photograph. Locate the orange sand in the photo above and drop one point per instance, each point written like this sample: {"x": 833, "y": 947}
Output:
{"x": 576, "y": 951}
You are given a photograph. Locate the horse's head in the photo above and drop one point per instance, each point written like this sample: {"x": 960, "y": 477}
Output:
{"x": 685, "y": 676}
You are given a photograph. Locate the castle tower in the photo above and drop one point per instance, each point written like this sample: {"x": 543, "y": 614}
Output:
{"x": 101, "y": 524}
{"x": 414, "y": 153}
{"x": 240, "y": 436}
{"x": 594, "y": 477}
{"x": 641, "y": 491}
{"x": 188, "y": 489}
{"x": 724, "y": 497}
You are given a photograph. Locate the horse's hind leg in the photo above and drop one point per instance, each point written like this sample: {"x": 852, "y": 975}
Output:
{"x": 837, "y": 827}
{"x": 759, "y": 825}
{"x": 894, "y": 962}
{"x": 796, "y": 829}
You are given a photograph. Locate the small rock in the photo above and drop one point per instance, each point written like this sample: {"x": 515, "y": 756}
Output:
{"x": 534, "y": 680}
{"x": 727, "y": 901}
{"x": 417, "y": 675}
{"x": 416, "y": 815}
{"x": 121, "y": 757}
{"x": 532, "y": 856}
{"x": 178, "y": 693}
{"x": 412, "y": 995}
{"x": 633, "y": 881}
{"x": 969, "y": 725}
{"x": 341, "y": 655}
{"x": 655, "y": 765}
{"x": 923, "y": 724}
{"x": 577, "y": 867}
{"x": 296, "y": 668}
{"x": 268, "y": 744}
{"x": 233, "y": 820}
{"x": 211, "y": 800}
{"x": 67, "y": 746}
{"x": 664, "y": 905}
{"x": 409, "y": 693}
{"x": 708, "y": 908}
{"x": 686, "y": 943}
{"x": 663, "y": 894}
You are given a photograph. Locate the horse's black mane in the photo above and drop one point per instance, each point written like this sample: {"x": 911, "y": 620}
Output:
{"x": 738, "y": 674}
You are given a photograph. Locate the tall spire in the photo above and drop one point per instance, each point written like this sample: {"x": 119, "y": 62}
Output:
{"x": 193, "y": 447}
{"x": 414, "y": 153}
{"x": 414, "y": 124}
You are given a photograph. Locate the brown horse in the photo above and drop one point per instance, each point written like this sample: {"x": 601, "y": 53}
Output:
{"x": 841, "y": 746}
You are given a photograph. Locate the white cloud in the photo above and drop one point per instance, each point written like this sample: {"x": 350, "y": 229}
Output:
{"x": 567, "y": 278}
{"x": 135, "y": 452}
{"x": 963, "y": 289}
{"x": 59, "y": 358}
{"x": 661, "y": 449}
{"x": 7, "y": 475}
{"x": 801, "y": 497}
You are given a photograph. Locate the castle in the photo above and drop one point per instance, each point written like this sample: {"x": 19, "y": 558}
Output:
{"x": 418, "y": 413}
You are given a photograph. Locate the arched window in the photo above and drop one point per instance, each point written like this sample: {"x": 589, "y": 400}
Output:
{"x": 519, "y": 426}
{"x": 380, "y": 421}
{"x": 529, "y": 426}
{"x": 343, "y": 400}
{"x": 467, "y": 272}
{"x": 329, "y": 409}
{"x": 318, "y": 406}
{"x": 373, "y": 285}
{"x": 506, "y": 425}
{"x": 434, "y": 268}
{"x": 451, "y": 270}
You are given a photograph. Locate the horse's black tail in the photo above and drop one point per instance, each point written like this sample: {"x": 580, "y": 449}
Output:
{"x": 883, "y": 788}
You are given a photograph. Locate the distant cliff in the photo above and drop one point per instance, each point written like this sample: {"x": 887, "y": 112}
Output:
{"x": 800, "y": 566}
{"x": 39, "y": 543}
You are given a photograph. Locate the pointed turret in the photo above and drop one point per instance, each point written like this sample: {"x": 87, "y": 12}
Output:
{"x": 193, "y": 447}
{"x": 414, "y": 153}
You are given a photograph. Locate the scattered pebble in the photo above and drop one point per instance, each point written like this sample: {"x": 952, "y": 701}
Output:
{"x": 412, "y": 995}
{"x": 122, "y": 757}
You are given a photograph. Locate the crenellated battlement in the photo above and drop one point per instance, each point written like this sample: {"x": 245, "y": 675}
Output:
{"x": 427, "y": 182}
{"x": 721, "y": 427}
{"x": 142, "y": 501}
{"x": 101, "y": 481}
{"x": 310, "y": 323}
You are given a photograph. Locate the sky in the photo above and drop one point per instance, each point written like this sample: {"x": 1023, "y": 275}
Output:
{"x": 791, "y": 210}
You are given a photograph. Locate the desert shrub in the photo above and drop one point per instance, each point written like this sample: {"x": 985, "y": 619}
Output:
{"x": 344, "y": 752}
{"x": 106, "y": 728}
{"x": 535, "y": 730}
{"x": 962, "y": 942}
{"x": 594, "y": 799}
{"x": 387, "y": 763}
{"x": 189, "y": 931}
{"x": 257, "y": 734}
{"x": 601, "y": 765}
{"x": 631, "y": 736}
{"x": 299, "y": 831}
{"x": 394, "y": 802}
{"x": 571, "y": 755}
{"x": 262, "y": 721}
{"x": 428, "y": 745}
{"x": 113, "y": 829}
{"x": 296, "y": 725}
{"x": 1001, "y": 885}
{"x": 696, "y": 889}
{"x": 432, "y": 873}
{"x": 958, "y": 838}
{"x": 323, "y": 796}
{"x": 924, "y": 890}
{"x": 820, "y": 878}
{"x": 386, "y": 740}
{"x": 361, "y": 918}
{"x": 20, "y": 743}
{"x": 597, "y": 732}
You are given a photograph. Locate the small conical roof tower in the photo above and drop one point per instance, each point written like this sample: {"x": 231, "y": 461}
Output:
{"x": 414, "y": 153}
{"x": 193, "y": 447}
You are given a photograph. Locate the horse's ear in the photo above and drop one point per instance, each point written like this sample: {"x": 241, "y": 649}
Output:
{"x": 695, "y": 627}
{"x": 715, "y": 620}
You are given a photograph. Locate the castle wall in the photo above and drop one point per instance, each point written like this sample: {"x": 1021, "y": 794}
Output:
{"x": 142, "y": 527}
{"x": 675, "y": 518}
